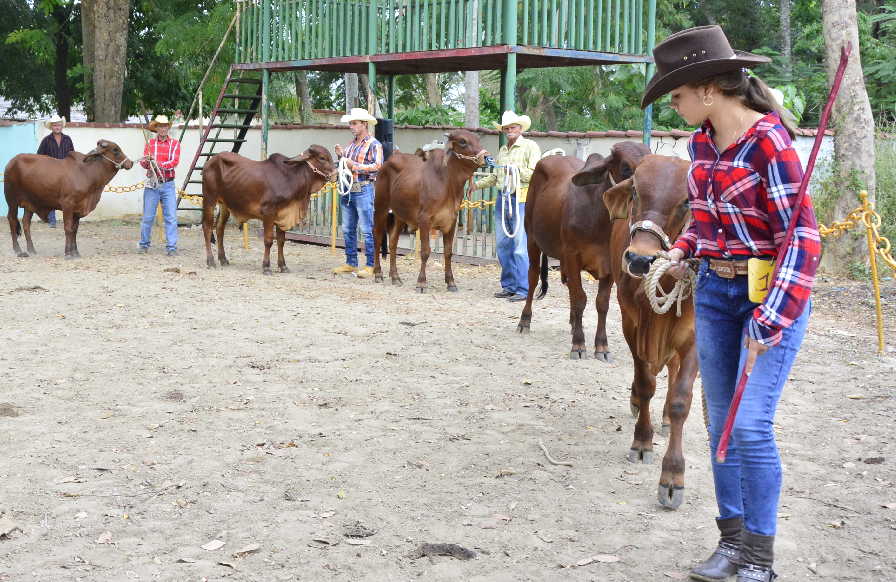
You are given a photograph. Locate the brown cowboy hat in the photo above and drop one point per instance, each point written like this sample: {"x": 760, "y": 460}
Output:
{"x": 692, "y": 55}
{"x": 159, "y": 120}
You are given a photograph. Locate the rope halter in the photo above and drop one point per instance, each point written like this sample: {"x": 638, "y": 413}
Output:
{"x": 117, "y": 165}
{"x": 660, "y": 300}
{"x": 477, "y": 158}
{"x": 316, "y": 171}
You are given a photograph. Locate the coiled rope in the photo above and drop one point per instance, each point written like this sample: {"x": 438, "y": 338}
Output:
{"x": 345, "y": 177}
{"x": 660, "y": 300}
{"x": 510, "y": 187}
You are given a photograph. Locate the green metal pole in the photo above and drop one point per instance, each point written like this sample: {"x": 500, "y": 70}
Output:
{"x": 651, "y": 39}
{"x": 265, "y": 75}
{"x": 390, "y": 96}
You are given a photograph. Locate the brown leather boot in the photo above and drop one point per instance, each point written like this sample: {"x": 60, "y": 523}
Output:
{"x": 757, "y": 555}
{"x": 724, "y": 561}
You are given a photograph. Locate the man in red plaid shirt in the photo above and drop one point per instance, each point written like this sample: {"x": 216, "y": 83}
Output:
{"x": 160, "y": 157}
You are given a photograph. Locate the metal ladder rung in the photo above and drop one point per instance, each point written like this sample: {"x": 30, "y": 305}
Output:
{"x": 228, "y": 126}
{"x": 219, "y": 111}
{"x": 194, "y": 182}
{"x": 222, "y": 140}
{"x": 238, "y": 96}
{"x": 245, "y": 80}
{"x": 209, "y": 154}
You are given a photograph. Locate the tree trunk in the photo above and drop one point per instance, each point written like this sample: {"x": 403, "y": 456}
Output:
{"x": 88, "y": 42}
{"x": 433, "y": 94}
{"x": 110, "y": 43}
{"x": 303, "y": 95}
{"x": 60, "y": 40}
{"x": 786, "y": 51}
{"x": 471, "y": 99}
{"x": 351, "y": 91}
{"x": 853, "y": 123}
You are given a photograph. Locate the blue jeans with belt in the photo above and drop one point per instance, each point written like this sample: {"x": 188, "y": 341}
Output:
{"x": 357, "y": 209}
{"x": 513, "y": 255}
{"x": 748, "y": 483}
{"x": 151, "y": 198}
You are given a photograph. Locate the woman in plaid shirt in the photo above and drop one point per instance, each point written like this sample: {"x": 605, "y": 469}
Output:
{"x": 742, "y": 185}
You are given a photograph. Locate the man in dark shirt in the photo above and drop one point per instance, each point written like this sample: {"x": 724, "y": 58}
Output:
{"x": 56, "y": 145}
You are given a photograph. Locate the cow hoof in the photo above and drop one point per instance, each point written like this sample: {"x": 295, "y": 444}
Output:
{"x": 397, "y": 282}
{"x": 32, "y": 251}
{"x": 577, "y": 354}
{"x": 22, "y": 255}
{"x": 378, "y": 279}
{"x": 603, "y": 356}
{"x": 523, "y": 328}
{"x": 71, "y": 257}
{"x": 670, "y": 496}
{"x": 224, "y": 262}
{"x": 211, "y": 265}
{"x": 452, "y": 288}
{"x": 284, "y": 269}
{"x": 421, "y": 289}
{"x": 640, "y": 456}
{"x": 266, "y": 272}
{"x": 635, "y": 410}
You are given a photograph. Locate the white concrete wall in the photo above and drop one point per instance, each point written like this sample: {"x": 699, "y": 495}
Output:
{"x": 294, "y": 141}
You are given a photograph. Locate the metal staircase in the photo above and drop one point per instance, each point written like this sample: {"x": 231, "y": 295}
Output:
{"x": 236, "y": 107}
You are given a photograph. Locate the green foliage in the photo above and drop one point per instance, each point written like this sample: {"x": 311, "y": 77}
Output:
{"x": 430, "y": 116}
{"x": 885, "y": 172}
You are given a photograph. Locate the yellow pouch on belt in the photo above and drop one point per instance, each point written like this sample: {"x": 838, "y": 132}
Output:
{"x": 759, "y": 276}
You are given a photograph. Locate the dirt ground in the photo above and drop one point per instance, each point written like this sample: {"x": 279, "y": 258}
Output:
{"x": 162, "y": 421}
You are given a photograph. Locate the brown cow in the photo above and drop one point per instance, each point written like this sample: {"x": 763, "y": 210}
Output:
{"x": 650, "y": 210}
{"x": 571, "y": 223}
{"x": 425, "y": 195}
{"x": 276, "y": 191}
{"x": 73, "y": 184}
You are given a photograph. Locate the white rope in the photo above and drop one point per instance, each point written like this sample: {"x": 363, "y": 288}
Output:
{"x": 510, "y": 187}
{"x": 346, "y": 178}
{"x": 660, "y": 300}
{"x": 553, "y": 152}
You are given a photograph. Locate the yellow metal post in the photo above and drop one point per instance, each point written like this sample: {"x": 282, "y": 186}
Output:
{"x": 246, "y": 235}
{"x": 875, "y": 275}
{"x": 334, "y": 212}
{"x": 160, "y": 232}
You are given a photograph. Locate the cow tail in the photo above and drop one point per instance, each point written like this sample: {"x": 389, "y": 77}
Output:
{"x": 543, "y": 288}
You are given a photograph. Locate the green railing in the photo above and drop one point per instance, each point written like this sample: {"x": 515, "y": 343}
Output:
{"x": 287, "y": 30}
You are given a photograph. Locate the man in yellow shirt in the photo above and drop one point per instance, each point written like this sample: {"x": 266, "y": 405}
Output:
{"x": 516, "y": 162}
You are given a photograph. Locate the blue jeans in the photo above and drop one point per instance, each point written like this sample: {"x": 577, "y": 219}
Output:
{"x": 512, "y": 252}
{"x": 151, "y": 197}
{"x": 748, "y": 483}
{"x": 357, "y": 209}
{"x": 51, "y": 217}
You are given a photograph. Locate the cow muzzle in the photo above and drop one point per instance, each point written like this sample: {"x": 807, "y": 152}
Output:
{"x": 637, "y": 265}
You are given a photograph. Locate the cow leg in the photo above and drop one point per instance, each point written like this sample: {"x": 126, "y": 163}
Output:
{"x": 602, "y": 302}
{"x": 643, "y": 389}
{"x": 425, "y": 250}
{"x": 26, "y": 229}
{"x": 281, "y": 260}
{"x": 76, "y": 222}
{"x": 380, "y": 217}
{"x": 208, "y": 219}
{"x": 672, "y": 369}
{"x": 67, "y": 221}
{"x": 394, "y": 231}
{"x": 670, "y": 491}
{"x": 223, "y": 216}
{"x": 14, "y": 228}
{"x": 577, "y": 302}
{"x": 268, "y": 243}
{"x": 534, "y": 268}
{"x": 448, "y": 250}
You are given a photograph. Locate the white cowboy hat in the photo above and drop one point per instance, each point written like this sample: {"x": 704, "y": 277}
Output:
{"x": 54, "y": 119}
{"x": 511, "y": 118}
{"x": 358, "y": 114}
{"x": 159, "y": 120}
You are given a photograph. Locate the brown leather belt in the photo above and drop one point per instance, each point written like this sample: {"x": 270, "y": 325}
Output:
{"x": 728, "y": 269}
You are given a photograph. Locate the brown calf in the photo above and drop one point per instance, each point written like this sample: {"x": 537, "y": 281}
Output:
{"x": 73, "y": 184}
{"x": 650, "y": 210}
{"x": 570, "y": 222}
{"x": 425, "y": 195}
{"x": 276, "y": 191}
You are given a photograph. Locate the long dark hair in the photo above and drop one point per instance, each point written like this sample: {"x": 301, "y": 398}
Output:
{"x": 754, "y": 93}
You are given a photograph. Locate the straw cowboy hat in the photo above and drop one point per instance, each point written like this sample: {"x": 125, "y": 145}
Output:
{"x": 693, "y": 55}
{"x": 358, "y": 114}
{"x": 55, "y": 119}
{"x": 510, "y": 118}
{"x": 159, "y": 120}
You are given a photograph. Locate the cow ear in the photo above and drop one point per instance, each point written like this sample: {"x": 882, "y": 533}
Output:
{"x": 617, "y": 199}
{"x": 594, "y": 172}
{"x": 300, "y": 158}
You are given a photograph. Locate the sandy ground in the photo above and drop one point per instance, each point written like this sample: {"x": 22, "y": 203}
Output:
{"x": 153, "y": 410}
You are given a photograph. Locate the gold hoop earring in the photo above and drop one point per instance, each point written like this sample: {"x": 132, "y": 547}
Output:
{"x": 710, "y": 100}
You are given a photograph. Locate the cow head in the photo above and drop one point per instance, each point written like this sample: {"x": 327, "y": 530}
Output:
{"x": 655, "y": 202}
{"x": 318, "y": 159}
{"x": 619, "y": 165}
{"x": 465, "y": 145}
{"x": 110, "y": 152}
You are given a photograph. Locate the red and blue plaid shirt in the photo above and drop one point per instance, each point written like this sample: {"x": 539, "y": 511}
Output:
{"x": 741, "y": 202}
{"x": 165, "y": 153}
{"x": 368, "y": 157}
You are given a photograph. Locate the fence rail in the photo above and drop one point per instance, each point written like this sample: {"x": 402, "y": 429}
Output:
{"x": 286, "y": 30}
